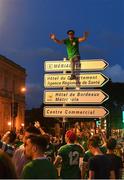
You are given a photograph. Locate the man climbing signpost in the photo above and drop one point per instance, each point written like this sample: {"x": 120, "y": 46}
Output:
{"x": 72, "y": 46}
{"x": 74, "y": 85}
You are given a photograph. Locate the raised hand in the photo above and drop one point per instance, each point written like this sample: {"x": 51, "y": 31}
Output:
{"x": 52, "y": 36}
{"x": 37, "y": 124}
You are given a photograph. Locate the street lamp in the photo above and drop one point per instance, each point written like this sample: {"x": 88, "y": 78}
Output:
{"x": 23, "y": 89}
{"x": 14, "y": 107}
{"x": 9, "y": 125}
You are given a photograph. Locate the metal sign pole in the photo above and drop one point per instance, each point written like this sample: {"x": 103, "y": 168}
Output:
{"x": 64, "y": 120}
{"x": 12, "y": 111}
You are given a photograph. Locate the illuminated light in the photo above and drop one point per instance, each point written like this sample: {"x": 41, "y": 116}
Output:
{"x": 92, "y": 130}
{"x": 9, "y": 123}
{"x": 92, "y": 133}
{"x": 103, "y": 130}
{"x": 22, "y": 124}
{"x": 122, "y": 116}
{"x": 98, "y": 123}
{"x": 23, "y": 89}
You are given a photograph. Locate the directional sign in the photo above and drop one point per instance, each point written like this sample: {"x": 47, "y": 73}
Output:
{"x": 86, "y": 65}
{"x": 75, "y": 111}
{"x": 75, "y": 97}
{"x": 63, "y": 80}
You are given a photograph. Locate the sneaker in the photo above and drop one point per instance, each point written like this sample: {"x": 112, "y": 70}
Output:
{"x": 78, "y": 88}
{"x": 72, "y": 77}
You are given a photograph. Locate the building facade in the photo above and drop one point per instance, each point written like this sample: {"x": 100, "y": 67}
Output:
{"x": 12, "y": 96}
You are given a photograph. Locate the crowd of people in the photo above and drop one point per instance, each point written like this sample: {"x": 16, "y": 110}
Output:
{"x": 35, "y": 154}
{"x": 82, "y": 154}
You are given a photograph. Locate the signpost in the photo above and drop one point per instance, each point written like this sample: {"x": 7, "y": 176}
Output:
{"x": 75, "y": 97}
{"x": 67, "y": 96}
{"x": 75, "y": 111}
{"x": 63, "y": 80}
{"x": 86, "y": 65}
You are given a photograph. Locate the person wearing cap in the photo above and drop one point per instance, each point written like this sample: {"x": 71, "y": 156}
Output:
{"x": 72, "y": 46}
{"x": 69, "y": 156}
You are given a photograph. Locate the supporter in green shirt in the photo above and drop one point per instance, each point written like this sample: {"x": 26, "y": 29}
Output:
{"x": 72, "y": 46}
{"x": 40, "y": 167}
{"x": 69, "y": 155}
{"x": 88, "y": 155}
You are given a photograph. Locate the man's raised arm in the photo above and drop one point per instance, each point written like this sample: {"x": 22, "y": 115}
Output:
{"x": 84, "y": 37}
{"x": 53, "y": 37}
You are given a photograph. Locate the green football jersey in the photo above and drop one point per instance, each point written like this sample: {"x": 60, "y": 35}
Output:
{"x": 70, "y": 154}
{"x": 72, "y": 47}
{"x": 39, "y": 169}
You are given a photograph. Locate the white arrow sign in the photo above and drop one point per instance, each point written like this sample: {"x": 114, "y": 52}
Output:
{"x": 63, "y": 80}
{"x": 75, "y": 97}
{"x": 86, "y": 65}
{"x": 75, "y": 111}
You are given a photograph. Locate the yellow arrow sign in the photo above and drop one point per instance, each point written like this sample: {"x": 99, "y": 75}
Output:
{"x": 75, "y": 112}
{"x": 63, "y": 80}
{"x": 86, "y": 65}
{"x": 75, "y": 97}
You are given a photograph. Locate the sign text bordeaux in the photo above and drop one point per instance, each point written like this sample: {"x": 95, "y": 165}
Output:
{"x": 75, "y": 111}
{"x": 86, "y": 65}
{"x": 73, "y": 97}
{"x": 63, "y": 80}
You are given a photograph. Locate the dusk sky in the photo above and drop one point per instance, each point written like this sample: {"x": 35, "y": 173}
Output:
{"x": 25, "y": 26}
